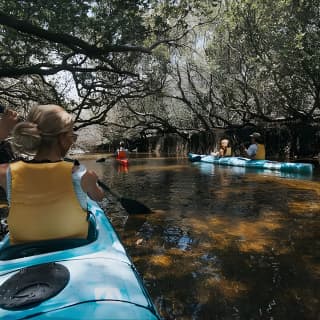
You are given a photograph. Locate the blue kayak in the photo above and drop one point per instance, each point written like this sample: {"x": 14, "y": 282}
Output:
{"x": 73, "y": 278}
{"x": 304, "y": 168}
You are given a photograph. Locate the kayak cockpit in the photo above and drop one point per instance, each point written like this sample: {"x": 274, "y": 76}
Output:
{"x": 10, "y": 252}
{"x": 40, "y": 247}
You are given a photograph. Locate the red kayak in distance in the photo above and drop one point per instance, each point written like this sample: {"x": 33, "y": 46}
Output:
{"x": 123, "y": 162}
{"x": 122, "y": 158}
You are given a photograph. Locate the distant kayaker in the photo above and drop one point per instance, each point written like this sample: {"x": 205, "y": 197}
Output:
{"x": 122, "y": 152}
{"x": 256, "y": 150}
{"x": 224, "y": 149}
{"x": 46, "y": 195}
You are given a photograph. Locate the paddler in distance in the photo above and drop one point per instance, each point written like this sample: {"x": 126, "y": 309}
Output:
{"x": 256, "y": 150}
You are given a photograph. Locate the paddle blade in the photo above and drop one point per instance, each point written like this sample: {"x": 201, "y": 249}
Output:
{"x": 133, "y": 206}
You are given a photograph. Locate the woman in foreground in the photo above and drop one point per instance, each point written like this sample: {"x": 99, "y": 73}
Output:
{"x": 46, "y": 195}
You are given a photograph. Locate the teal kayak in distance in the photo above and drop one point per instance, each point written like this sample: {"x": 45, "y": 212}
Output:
{"x": 73, "y": 278}
{"x": 302, "y": 168}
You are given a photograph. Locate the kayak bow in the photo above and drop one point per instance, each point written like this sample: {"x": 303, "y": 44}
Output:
{"x": 73, "y": 278}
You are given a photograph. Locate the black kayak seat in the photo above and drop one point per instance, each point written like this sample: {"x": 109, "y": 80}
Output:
{"x": 40, "y": 247}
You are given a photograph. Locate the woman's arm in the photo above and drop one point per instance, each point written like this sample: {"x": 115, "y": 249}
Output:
{"x": 222, "y": 152}
{"x": 3, "y": 175}
{"x": 252, "y": 151}
{"x": 89, "y": 185}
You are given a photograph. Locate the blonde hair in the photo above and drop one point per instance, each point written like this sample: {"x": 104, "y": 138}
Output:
{"x": 224, "y": 142}
{"x": 41, "y": 128}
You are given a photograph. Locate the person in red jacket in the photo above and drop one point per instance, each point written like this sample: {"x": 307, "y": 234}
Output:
{"x": 122, "y": 152}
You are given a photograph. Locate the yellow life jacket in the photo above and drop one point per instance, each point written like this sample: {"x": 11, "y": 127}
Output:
{"x": 228, "y": 152}
{"x": 43, "y": 203}
{"x": 261, "y": 152}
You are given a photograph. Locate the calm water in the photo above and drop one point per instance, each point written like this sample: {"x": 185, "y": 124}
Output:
{"x": 222, "y": 243}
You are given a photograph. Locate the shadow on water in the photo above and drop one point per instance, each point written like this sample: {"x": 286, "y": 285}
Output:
{"x": 221, "y": 244}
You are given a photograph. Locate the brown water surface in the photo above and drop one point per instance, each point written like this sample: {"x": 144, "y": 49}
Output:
{"x": 221, "y": 243}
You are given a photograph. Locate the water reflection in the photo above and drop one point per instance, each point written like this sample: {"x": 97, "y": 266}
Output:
{"x": 222, "y": 243}
{"x": 209, "y": 168}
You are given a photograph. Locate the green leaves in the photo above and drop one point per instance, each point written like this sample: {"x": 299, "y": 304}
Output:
{"x": 274, "y": 50}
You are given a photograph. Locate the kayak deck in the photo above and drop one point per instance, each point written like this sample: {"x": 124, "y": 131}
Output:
{"x": 257, "y": 164}
{"x": 103, "y": 283}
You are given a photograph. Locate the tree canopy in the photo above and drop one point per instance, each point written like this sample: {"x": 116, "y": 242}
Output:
{"x": 164, "y": 66}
